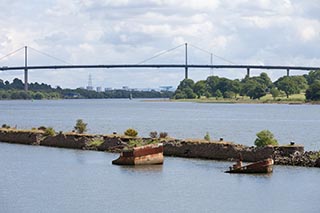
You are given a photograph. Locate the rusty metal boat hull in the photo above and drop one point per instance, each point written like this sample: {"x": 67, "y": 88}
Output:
{"x": 264, "y": 166}
{"x": 144, "y": 155}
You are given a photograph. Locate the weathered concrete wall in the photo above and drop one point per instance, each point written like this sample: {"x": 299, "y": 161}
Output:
{"x": 71, "y": 141}
{"x": 289, "y": 150}
{"x": 216, "y": 150}
{"x": 285, "y": 155}
{"x": 224, "y": 150}
{"x": 256, "y": 153}
{"x": 20, "y": 136}
{"x": 112, "y": 144}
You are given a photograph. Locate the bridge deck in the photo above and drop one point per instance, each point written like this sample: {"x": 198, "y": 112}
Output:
{"x": 40, "y": 67}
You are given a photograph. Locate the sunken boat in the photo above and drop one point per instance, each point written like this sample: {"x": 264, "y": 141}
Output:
{"x": 263, "y": 166}
{"x": 143, "y": 155}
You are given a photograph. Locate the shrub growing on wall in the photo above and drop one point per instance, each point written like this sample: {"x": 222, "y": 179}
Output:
{"x": 207, "y": 137}
{"x": 80, "y": 126}
{"x": 131, "y": 132}
{"x": 264, "y": 138}
{"x": 49, "y": 131}
{"x": 153, "y": 134}
{"x": 163, "y": 135}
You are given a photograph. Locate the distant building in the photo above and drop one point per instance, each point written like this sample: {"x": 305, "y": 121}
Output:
{"x": 166, "y": 88}
{"x": 125, "y": 88}
{"x": 108, "y": 89}
{"x": 90, "y": 88}
{"x": 99, "y": 89}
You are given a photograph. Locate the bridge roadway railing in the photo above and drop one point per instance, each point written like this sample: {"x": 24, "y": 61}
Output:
{"x": 110, "y": 66}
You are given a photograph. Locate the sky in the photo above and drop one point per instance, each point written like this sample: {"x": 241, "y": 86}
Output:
{"x": 260, "y": 32}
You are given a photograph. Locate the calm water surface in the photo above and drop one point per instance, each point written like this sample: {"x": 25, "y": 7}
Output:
{"x": 42, "y": 179}
{"x": 234, "y": 122}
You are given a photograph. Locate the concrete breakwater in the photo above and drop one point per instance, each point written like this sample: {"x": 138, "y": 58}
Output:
{"x": 219, "y": 150}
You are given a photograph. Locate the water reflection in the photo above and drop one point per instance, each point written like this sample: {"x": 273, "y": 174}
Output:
{"x": 141, "y": 169}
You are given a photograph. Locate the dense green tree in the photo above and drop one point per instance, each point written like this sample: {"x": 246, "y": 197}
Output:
{"x": 2, "y": 85}
{"x": 20, "y": 95}
{"x": 257, "y": 92}
{"x": 288, "y": 85}
{"x": 185, "y": 90}
{"x": 224, "y": 85}
{"x": 264, "y": 79}
{"x": 179, "y": 94}
{"x": 40, "y": 87}
{"x": 300, "y": 81}
{"x": 252, "y": 88}
{"x": 264, "y": 138}
{"x": 200, "y": 88}
{"x": 218, "y": 94}
{"x": 274, "y": 92}
{"x": 313, "y": 92}
{"x": 212, "y": 84}
{"x": 229, "y": 94}
{"x": 38, "y": 96}
{"x": 186, "y": 83}
{"x": 17, "y": 84}
{"x": 235, "y": 87}
{"x": 312, "y": 76}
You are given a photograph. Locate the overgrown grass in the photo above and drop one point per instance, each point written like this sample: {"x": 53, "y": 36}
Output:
{"x": 140, "y": 142}
{"x": 296, "y": 98}
{"x": 96, "y": 142}
{"x": 315, "y": 156}
{"x": 49, "y": 131}
{"x": 135, "y": 143}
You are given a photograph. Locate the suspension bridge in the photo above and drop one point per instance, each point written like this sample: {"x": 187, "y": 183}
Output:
{"x": 185, "y": 65}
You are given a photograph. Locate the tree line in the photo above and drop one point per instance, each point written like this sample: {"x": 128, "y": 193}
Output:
{"x": 37, "y": 91}
{"x": 253, "y": 87}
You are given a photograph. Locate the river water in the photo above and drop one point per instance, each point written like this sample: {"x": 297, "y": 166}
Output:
{"x": 42, "y": 179}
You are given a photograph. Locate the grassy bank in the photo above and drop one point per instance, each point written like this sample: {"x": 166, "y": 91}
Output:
{"x": 293, "y": 99}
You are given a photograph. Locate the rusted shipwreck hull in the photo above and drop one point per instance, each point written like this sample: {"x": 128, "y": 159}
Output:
{"x": 264, "y": 166}
{"x": 143, "y": 155}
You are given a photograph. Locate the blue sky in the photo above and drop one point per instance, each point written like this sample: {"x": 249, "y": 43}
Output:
{"x": 264, "y": 32}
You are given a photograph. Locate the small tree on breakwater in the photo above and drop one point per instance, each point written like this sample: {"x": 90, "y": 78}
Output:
{"x": 131, "y": 132}
{"x": 264, "y": 138}
{"x": 80, "y": 126}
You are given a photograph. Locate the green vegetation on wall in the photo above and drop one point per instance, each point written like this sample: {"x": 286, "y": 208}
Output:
{"x": 131, "y": 132}
{"x": 80, "y": 126}
{"x": 264, "y": 138}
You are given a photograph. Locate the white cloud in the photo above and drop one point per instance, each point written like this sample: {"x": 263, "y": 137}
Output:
{"x": 127, "y": 31}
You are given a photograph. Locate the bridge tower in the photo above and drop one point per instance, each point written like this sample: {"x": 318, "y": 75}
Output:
{"x": 26, "y": 68}
{"x": 186, "y": 60}
{"x": 248, "y": 72}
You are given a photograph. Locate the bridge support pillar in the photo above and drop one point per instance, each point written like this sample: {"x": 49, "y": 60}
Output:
{"x": 186, "y": 73}
{"x": 26, "y": 69}
{"x": 288, "y": 72}
{"x": 186, "y": 68}
{"x": 248, "y": 73}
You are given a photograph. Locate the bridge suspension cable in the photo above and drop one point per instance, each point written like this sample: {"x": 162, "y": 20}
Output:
{"x": 206, "y": 51}
{"x": 161, "y": 53}
{"x": 10, "y": 54}
{"x": 50, "y": 56}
